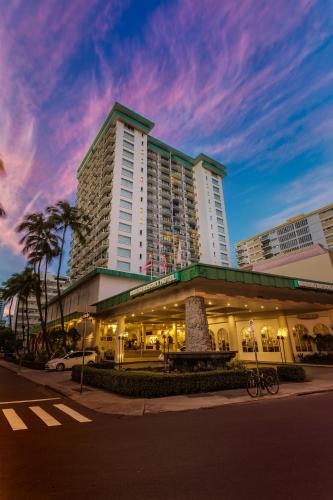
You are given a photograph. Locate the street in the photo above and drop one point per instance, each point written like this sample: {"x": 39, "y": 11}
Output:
{"x": 271, "y": 449}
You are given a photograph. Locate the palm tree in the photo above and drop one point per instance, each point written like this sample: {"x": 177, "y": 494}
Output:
{"x": 10, "y": 291}
{"x": 2, "y": 172}
{"x": 40, "y": 244}
{"x": 64, "y": 217}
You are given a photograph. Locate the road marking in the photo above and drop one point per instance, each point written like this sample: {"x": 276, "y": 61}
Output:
{"x": 27, "y": 401}
{"x": 44, "y": 416}
{"x": 14, "y": 420}
{"x": 72, "y": 413}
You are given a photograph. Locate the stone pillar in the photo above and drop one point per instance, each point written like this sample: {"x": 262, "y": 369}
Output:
{"x": 197, "y": 335}
{"x": 119, "y": 334}
{"x": 233, "y": 339}
{"x": 288, "y": 343}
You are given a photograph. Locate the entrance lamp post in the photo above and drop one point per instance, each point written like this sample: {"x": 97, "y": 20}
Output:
{"x": 85, "y": 316}
{"x": 281, "y": 337}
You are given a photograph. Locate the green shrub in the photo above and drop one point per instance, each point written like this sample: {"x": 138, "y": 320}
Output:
{"x": 105, "y": 365}
{"x": 318, "y": 358}
{"x": 152, "y": 384}
{"x": 291, "y": 373}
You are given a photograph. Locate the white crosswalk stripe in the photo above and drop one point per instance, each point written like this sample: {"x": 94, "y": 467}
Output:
{"x": 72, "y": 413}
{"x": 44, "y": 416}
{"x": 17, "y": 424}
{"x": 14, "y": 420}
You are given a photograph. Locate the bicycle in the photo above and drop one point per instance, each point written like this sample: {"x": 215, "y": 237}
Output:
{"x": 255, "y": 384}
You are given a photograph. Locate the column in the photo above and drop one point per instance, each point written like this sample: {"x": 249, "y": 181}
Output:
{"x": 119, "y": 334}
{"x": 233, "y": 339}
{"x": 288, "y": 346}
{"x": 197, "y": 335}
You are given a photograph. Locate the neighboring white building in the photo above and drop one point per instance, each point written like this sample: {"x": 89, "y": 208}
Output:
{"x": 148, "y": 202}
{"x": 299, "y": 232}
{"x": 32, "y": 309}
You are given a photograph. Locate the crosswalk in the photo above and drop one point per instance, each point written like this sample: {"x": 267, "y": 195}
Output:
{"x": 16, "y": 422}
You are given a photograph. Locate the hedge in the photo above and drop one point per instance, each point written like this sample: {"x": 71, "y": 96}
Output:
{"x": 154, "y": 385}
{"x": 27, "y": 363}
{"x": 291, "y": 373}
{"x": 318, "y": 358}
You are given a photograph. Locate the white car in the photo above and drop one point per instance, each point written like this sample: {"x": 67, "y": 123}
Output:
{"x": 68, "y": 360}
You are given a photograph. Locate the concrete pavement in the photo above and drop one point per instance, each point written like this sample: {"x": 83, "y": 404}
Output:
{"x": 320, "y": 379}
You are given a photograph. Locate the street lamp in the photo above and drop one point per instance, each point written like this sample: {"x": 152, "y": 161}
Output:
{"x": 282, "y": 334}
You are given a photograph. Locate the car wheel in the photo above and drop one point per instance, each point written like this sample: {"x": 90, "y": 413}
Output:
{"x": 60, "y": 367}
{"x": 90, "y": 363}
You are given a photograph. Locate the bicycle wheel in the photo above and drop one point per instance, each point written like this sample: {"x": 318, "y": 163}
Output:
{"x": 271, "y": 383}
{"x": 252, "y": 386}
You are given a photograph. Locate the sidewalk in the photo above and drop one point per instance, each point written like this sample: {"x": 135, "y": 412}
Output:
{"x": 320, "y": 380}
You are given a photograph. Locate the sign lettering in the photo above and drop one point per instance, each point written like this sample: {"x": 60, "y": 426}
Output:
{"x": 172, "y": 278}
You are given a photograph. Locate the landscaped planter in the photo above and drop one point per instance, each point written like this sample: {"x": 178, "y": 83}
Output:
{"x": 199, "y": 361}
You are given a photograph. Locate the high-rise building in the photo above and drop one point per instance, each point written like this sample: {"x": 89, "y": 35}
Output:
{"x": 152, "y": 207}
{"x": 301, "y": 231}
{"x": 30, "y": 310}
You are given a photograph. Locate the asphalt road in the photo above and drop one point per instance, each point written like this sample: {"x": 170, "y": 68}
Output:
{"x": 270, "y": 450}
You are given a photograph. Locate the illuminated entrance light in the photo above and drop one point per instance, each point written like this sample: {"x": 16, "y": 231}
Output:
{"x": 276, "y": 308}
{"x": 262, "y": 307}
{"x": 228, "y": 304}
{"x": 152, "y": 310}
{"x": 210, "y": 303}
{"x": 176, "y": 305}
{"x": 164, "y": 307}
{"x": 132, "y": 315}
{"x": 245, "y": 305}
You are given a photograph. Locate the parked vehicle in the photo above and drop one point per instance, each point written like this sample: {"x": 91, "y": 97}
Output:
{"x": 68, "y": 360}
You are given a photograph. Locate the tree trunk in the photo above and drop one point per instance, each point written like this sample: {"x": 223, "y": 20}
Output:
{"x": 16, "y": 319}
{"x": 61, "y": 309}
{"x": 23, "y": 324}
{"x": 28, "y": 324}
{"x": 10, "y": 313}
{"x": 45, "y": 343}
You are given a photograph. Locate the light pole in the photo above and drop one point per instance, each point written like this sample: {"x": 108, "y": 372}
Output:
{"x": 282, "y": 335}
{"x": 84, "y": 317}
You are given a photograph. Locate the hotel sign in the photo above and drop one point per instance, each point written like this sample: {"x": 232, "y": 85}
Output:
{"x": 167, "y": 280}
{"x": 325, "y": 287}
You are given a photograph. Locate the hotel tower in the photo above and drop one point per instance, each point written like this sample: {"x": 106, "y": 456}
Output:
{"x": 153, "y": 209}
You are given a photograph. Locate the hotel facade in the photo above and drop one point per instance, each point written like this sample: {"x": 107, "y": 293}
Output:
{"x": 133, "y": 317}
{"x": 153, "y": 209}
{"x": 296, "y": 233}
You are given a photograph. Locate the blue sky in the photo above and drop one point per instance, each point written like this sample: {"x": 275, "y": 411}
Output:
{"x": 248, "y": 82}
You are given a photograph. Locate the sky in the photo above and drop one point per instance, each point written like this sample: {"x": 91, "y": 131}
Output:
{"x": 248, "y": 82}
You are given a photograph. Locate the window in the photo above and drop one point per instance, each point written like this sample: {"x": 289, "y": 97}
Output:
{"x": 126, "y": 204}
{"x": 302, "y": 338}
{"x": 126, "y": 194}
{"x": 125, "y": 240}
{"x": 123, "y": 266}
{"x": 125, "y": 215}
{"x": 224, "y": 256}
{"x": 220, "y": 229}
{"x": 126, "y": 228}
{"x": 221, "y": 237}
{"x": 126, "y": 183}
{"x": 128, "y": 163}
{"x": 215, "y": 182}
{"x": 140, "y": 232}
{"x": 217, "y": 203}
{"x": 320, "y": 328}
{"x": 123, "y": 252}
{"x": 219, "y": 220}
{"x": 223, "y": 340}
{"x": 269, "y": 339}
{"x": 140, "y": 243}
{"x": 223, "y": 247}
{"x": 248, "y": 342}
{"x": 128, "y": 154}
{"x": 126, "y": 172}
{"x": 128, "y": 145}
{"x": 219, "y": 212}
{"x": 128, "y": 136}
